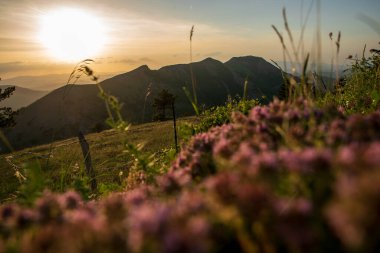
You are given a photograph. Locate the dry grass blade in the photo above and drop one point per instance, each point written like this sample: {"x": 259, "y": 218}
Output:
{"x": 337, "y": 43}
{"x": 319, "y": 37}
{"x": 279, "y": 36}
{"x": 193, "y": 83}
{"x": 285, "y": 50}
{"x": 147, "y": 94}
{"x": 375, "y": 25}
{"x": 245, "y": 89}
{"x": 191, "y": 33}
{"x": 300, "y": 42}
{"x": 304, "y": 69}
{"x": 287, "y": 24}
{"x": 287, "y": 28}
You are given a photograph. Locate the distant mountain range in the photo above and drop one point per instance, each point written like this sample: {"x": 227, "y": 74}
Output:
{"x": 21, "y": 97}
{"x": 45, "y": 82}
{"x": 67, "y": 110}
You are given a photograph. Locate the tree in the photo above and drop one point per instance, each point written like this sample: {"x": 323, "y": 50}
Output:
{"x": 163, "y": 101}
{"x": 6, "y": 113}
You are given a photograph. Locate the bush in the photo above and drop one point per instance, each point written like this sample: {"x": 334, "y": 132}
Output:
{"x": 217, "y": 116}
{"x": 359, "y": 91}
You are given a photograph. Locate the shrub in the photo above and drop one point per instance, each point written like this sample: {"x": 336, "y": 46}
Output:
{"x": 359, "y": 92}
{"x": 217, "y": 116}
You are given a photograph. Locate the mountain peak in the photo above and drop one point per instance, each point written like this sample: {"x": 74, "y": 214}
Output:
{"x": 209, "y": 59}
{"x": 246, "y": 59}
{"x": 142, "y": 68}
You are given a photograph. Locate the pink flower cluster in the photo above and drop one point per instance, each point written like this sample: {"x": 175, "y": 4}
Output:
{"x": 285, "y": 178}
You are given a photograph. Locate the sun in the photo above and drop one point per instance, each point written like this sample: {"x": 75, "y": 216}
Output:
{"x": 71, "y": 34}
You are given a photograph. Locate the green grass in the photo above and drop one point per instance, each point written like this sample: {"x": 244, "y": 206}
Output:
{"x": 360, "y": 90}
{"x": 62, "y": 161}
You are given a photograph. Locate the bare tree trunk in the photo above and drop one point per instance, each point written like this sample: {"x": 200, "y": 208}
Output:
{"x": 175, "y": 128}
{"x": 87, "y": 161}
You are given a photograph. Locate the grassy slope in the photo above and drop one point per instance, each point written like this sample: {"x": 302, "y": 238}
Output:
{"x": 66, "y": 158}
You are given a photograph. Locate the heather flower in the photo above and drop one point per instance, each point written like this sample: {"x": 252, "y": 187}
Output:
{"x": 239, "y": 118}
{"x": 192, "y": 236}
{"x": 372, "y": 155}
{"x": 294, "y": 223}
{"x": 190, "y": 203}
{"x": 353, "y": 213}
{"x": 114, "y": 208}
{"x": 337, "y": 132}
{"x": 49, "y": 209}
{"x": 8, "y": 212}
{"x": 25, "y": 219}
{"x": 244, "y": 156}
{"x": 286, "y": 178}
{"x": 223, "y": 148}
{"x": 70, "y": 200}
{"x": 145, "y": 222}
{"x": 258, "y": 113}
{"x": 85, "y": 215}
{"x": 307, "y": 161}
{"x": 137, "y": 196}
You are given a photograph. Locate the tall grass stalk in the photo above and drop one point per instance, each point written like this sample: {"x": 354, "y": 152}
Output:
{"x": 300, "y": 61}
{"x": 142, "y": 162}
{"x": 191, "y": 68}
{"x": 319, "y": 38}
{"x": 147, "y": 94}
{"x": 192, "y": 98}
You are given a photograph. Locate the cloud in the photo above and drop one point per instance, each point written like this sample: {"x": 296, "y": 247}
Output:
{"x": 11, "y": 66}
{"x": 17, "y": 45}
{"x": 8, "y": 69}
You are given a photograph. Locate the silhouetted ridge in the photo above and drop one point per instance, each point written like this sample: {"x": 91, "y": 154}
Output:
{"x": 210, "y": 60}
{"x": 82, "y": 109}
{"x": 142, "y": 68}
{"x": 263, "y": 78}
{"x": 248, "y": 61}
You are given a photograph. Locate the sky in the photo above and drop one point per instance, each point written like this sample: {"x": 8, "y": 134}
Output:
{"x": 128, "y": 33}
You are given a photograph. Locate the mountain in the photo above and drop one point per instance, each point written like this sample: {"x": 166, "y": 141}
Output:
{"x": 45, "y": 82}
{"x": 21, "y": 97}
{"x": 258, "y": 72}
{"x": 66, "y": 110}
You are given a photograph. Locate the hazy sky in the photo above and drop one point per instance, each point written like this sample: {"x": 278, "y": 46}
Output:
{"x": 156, "y": 32}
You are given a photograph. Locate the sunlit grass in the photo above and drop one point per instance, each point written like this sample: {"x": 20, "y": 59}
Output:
{"x": 63, "y": 160}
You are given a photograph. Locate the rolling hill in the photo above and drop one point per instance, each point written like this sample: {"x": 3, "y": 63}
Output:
{"x": 67, "y": 110}
{"x": 45, "y": 82}
{"x": 21, "y": 97}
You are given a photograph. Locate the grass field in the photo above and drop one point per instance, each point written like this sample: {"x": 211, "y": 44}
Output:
{"x": 62, "y": 161}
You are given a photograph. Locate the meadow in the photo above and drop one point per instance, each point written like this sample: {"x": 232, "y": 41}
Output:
{"x": 61, "y": 163}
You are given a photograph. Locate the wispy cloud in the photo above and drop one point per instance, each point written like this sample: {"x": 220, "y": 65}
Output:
{"x": 15, "y": 68}
{"x": 18, "y": 45}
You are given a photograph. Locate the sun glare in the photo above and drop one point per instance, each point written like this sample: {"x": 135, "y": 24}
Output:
{"x": 71, "y": 34}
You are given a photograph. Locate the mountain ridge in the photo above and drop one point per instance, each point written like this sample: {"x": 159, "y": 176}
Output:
{"x": 21, "y": 97}
{"x": 81, "y": 109}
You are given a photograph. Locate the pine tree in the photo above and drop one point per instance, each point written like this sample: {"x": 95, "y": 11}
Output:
{"x": 163, "y": 101}
{"x": 6, "y": 113}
